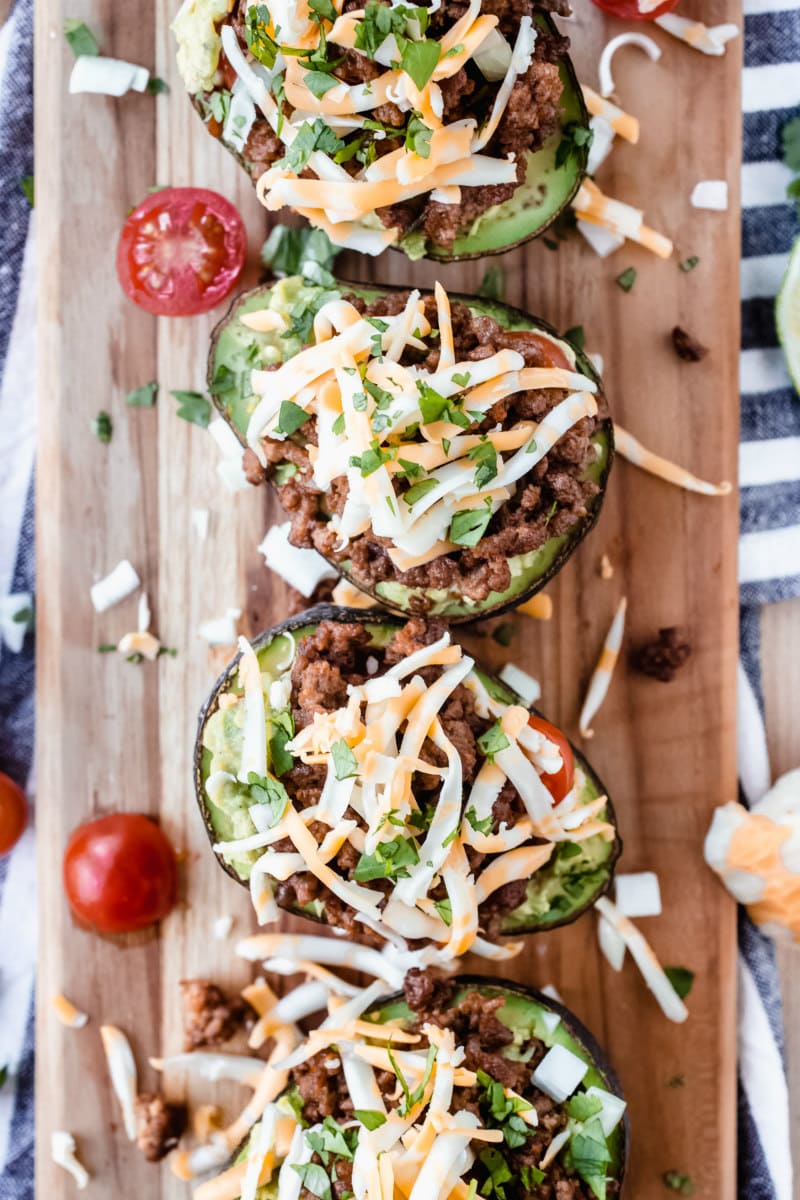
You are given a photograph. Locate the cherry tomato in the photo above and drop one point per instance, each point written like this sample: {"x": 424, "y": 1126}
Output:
{"x": 547, "y": 353}
{"x": 120, "y": 873}
{"x": 559, "y": 784}
{"x": 181, "y": 251}
{"x": 13, "y": 813}
{"x": 629, "y": 10}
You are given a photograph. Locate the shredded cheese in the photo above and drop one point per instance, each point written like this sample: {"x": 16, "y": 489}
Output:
{"x": 631, "y": 449}
{"x": 601, "y": 677}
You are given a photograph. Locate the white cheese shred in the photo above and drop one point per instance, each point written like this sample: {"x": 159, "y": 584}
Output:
{"x": 122, "y": 1069}
{"x": 651, "y": 49}
{"x": 670, "y": 1002}
{"x": 631, "y": 449}
{"x": 603, "y": 672}
{"x": 64, "y": 1153}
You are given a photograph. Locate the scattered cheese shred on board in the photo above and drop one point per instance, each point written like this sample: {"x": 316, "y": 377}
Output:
{"x": 651, "y": 49}
{"x": 592, "y": 206}
{"x": 122, "y": 1069}
{"x": 628, "y": 446}
{"x": 539, "y": 606}
{"x": 601, "y": 677}
{"x": 63, "y": 1152}
{"x": 709, "y": 40}
{"x": 671, "y": 1004}
{"x": 67, "y": 1013}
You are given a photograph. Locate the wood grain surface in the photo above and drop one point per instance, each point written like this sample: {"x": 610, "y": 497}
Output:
{"x": 112, "y": 735}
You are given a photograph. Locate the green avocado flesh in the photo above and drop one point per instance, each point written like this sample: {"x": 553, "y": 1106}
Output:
{"x": 526, "y": 1014}
{"x": 236, "y": 350}
{"x": 557, "y": 892}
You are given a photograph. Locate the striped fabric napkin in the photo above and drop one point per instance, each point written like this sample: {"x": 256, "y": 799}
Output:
{"x": 769, "y": 566}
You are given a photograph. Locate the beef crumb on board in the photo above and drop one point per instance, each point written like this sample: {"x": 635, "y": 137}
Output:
{"x": 687, "y": 347}
{"x": 662, "y": 657}
{"x": 159, "y": 1125}
{"x": 209, "y": 1016}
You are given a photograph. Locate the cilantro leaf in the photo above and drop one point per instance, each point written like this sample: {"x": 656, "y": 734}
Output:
{"x": 157, "y": 86}
{"x": 26, "y": 183}
{"x": 676, "y": 1181}
{"x": 284, "y": 472}
{"x": 143, "y": 396}
{"x": 790, "y": 144}
{"x": 319, "y": 82}
{"x": 314, "y": 1179}
{"x": 419, "y": 59}
{"x": 370, "y": 1118}
{"x": 575, "y": 142}
{"x": 290, "y": 417}
{"x": 482, "y": 825}
{"x": 445, "y": 911}
{"x": 493, "y": 284}
{"x": 193, "y": 407}
{"x": 462, "y": 378}
{"x": 269, "y": 792}
{"x": 485, "y": 455}
{"x": 468, "y": 526}
{"x": 311, "y": 136}
{"x": 260, "y": 42}
{"x": 282, "y": 724}
{"x": 324, "y": 9}
{"x": 102, "y": 427}
{"x": 627, "y": 279}
{"x": 681, "y": 979}
{"x": 80, "y": 38}
{"x": 689, "y": 264}
{"x": 389, "y": 860}
{"x": 418, "y": 491}
{"x": 493, "y": 741}
{"x": 418, "y": 136}
{"x": 345, "y": 763}
{"x": 576, "y": 337}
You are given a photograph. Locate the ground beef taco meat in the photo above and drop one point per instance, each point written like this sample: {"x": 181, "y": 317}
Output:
{"x": 401, "y": 796}
{"x": 531, "y": 115}
{"x": 549, "y": 502}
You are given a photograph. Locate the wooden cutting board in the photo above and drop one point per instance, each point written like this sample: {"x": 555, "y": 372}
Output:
{"x": 115, "y": 736}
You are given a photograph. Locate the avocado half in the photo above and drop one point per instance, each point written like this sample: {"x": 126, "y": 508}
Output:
{"x": 535, "y": 205}
{"x": 568, "y": 887}
{"x": 523, "y": 1008}
{"x": 235, "y": 350}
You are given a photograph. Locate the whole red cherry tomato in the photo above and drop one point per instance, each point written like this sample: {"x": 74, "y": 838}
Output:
{"x": 13, "y": 813}
{"x": 560, "y": 783}
{"x": 181, "y": 251}
{"x": 629, "y": 10}
{"x": 120, "y": 873}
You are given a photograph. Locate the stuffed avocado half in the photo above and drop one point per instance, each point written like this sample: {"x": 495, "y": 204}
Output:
{"x": 447, "y": 131}
{"x": 365, "y": 773}
{"x": 445, "y": 453}
{"x": 469, "y": 1087}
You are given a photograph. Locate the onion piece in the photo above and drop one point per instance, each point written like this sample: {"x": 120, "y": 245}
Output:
{"x": 106, "y": 76}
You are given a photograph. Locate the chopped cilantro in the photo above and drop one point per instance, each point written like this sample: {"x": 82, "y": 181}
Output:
{"x": 493, "y": 741}
{"x": 551, "y": 513}
{"x": 219, "y": 105}
{"x": 462, "y": 378}
{"x": 269, "y": 792}
{"x": 689, "y": 264}
{"x": 531, "y": 1177}
{"x": 411, "y": 470}
{"x": 503, "y": 633}
{"x": 419, "y": 59}
{"x": 314, "y": 1179}
{"x": 260, "y": 42}
{"x": 282, "y": 726}
{"x": 445, "y": 911}
{"x": 284, "y": 472}
{"x": 589, "y": 1155}
{"x": 581, "y": 1107}
{"x": 106, "y": 648}
{"x": 503, "y": 1111}
{"x": 80, "y": 38}
{"x": 412, "y": 1098}
{"x": 468, "y": 526}
{"x": 627, "y": 279}
{"x": 676, "y": 1181}
{"x": 102, "y": 427}
{"x": 370, "y": 1118}
{"x": 493, "y": 284}
{"x": 193, "y": 407}
{"x": 345, "y": 763}
{"x": 290, "y": 417}
{"x": 338, "y": 425}
{"x": 482, "y": 825}
{"x": 498, "y": 1173}
{"x": 380, "y": 20}
{"x": 311, "y": 136}
{"x": 143, "y": 396}
{"x": 3, "y": 1074}
{"x": 575, "y": 139}
{"x": 157, "y": 86}
{"x": 419, "y": 490}
{"x": 676, "y": 1081}
{"x": 23, "y": 616}
{"x": 319, "y": 82}
{"x": 332, "y": 1141}
{"x": 485, "y": 456}
{"x": 371, "y": 459}
{"x": 323, "y": 9}
{"x": 681, "y": 979}
{"x": 576, "y": 337}
{"x": 418, "y": 136}
{"x": 389, "y": 860}
{"x": 26, "y": 183}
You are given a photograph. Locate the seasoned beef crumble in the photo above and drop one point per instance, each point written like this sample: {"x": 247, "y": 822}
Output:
{"x": 549, "y": 502}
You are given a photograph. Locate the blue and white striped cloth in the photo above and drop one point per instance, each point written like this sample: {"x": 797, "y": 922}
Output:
{"x": 769, "y": 566}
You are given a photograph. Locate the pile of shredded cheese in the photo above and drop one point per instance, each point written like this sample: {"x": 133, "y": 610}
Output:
{"x": 404, "y": 437}
{"x": 371, "y": 750}
{"x": 324, "y": 122}
{"x": 410, "y": 1144}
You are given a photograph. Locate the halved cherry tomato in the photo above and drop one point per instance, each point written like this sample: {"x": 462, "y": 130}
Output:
{"x": 13, "y": 813}
{"x": 629, "y": 10}
{"x": 559, "y": 784}
{"x": 120, "y": 873}
{"x": 181, "y": 251}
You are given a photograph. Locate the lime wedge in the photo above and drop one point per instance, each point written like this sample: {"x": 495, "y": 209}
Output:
{"x": 787, "y": 315}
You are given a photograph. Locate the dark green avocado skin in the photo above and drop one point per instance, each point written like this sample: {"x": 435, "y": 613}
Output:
{"x": 510, "y": 318}
{"x": 576, "y": 1029}
{"x": 330, "y": 612}
{"x": 533, "y": 221}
